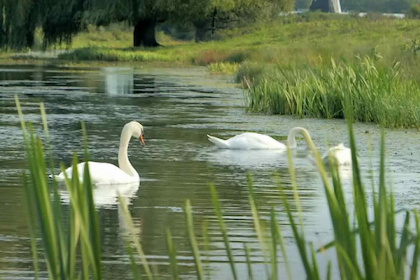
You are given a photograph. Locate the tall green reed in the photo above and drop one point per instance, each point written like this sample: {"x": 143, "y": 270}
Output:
{"x": 61, "y": 246}
{"x": 377, "y": 94}
{"x": 381, "y": 257}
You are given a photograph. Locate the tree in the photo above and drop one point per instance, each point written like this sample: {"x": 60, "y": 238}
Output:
{"x": 17, "y": 23}
{"x": 61, "y": 19}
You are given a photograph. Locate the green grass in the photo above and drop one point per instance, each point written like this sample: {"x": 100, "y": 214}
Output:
{"x": 287, "y": 63}
{"x": 106, "y": 54}
{"x": 377, "y": 94}
{"x": 224, "y": 67}
{"x": 370, "y": 247}
{"x": 308, "y": 39}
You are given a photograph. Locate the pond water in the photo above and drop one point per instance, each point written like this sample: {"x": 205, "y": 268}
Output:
{"x": 177, "y": 107}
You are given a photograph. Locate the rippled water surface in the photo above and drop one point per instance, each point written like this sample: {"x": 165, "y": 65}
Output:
{"x": 178, "y": 107}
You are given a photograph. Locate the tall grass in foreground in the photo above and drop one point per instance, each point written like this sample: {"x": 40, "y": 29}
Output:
{"x": 74, "y": 251}
{"x": 367, "y": 246}
{"x": 377, "y": 94}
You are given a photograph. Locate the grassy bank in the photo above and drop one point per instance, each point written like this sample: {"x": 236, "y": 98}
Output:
{"x": 291, "y": 57}
{"x": 370, "y": 246}
{"x": 288, "y": 65}
{"x": 378, "y": 94}
{"x": 290, "y": 41}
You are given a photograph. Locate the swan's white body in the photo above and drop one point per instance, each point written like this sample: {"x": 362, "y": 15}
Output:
{"x": 107, "y": 196}
{"x": 248, "y": 141}
{"x": 256, "y": 141}
{"x": 108, "y": 174}
{"x": 341, "y": 155}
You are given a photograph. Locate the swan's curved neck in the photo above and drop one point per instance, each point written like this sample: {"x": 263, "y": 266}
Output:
{"x": 291, "y": 139}
{"x": 123, "y": 161}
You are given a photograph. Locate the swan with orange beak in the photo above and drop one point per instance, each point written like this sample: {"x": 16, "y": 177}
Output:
{"x": 102, "y": 173}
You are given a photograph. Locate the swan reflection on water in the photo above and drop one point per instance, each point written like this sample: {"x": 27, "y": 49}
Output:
{"x": 266, "y": 159}
{"x": 106, "y": 196}
{"x": 252, "y": 159}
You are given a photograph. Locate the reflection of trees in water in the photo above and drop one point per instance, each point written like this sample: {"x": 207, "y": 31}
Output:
{"x": 118, "y": 80}
{"x": 14, "y": 241}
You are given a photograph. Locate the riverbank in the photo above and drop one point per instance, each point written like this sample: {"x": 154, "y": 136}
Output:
{"x": 291, "y": 47}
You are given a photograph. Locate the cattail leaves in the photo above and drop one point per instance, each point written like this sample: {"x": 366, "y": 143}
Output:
{"x": 60, "y": 247}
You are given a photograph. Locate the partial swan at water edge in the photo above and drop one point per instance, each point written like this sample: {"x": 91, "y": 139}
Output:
{"x": 106, "y": 173}
{"x": 256, "y": 141}
{"x": 341, "y": 155}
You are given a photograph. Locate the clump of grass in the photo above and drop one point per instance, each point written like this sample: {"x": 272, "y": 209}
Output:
{"x": 209, "y": 56}
{"x": 224, "y": 67}
{"x": 414, "y": 11}
{"x": 73, "y": 251}
{"x": 106, "y": 54}
{"x": 377, "y": 94}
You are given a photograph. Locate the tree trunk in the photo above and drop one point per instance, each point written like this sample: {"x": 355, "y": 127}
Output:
{"x": 144, "y": 33}
{"x": 213, "y": 22}
{"x": 202, "y": 28}
{"x": 2, "y": 33}
{"x": 30, "y": 25}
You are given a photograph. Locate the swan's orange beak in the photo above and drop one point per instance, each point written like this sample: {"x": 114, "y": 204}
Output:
{"x": 142, "y": 140}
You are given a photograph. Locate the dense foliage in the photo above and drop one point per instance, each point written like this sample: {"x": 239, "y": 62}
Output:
{"x": 59, "y": 20}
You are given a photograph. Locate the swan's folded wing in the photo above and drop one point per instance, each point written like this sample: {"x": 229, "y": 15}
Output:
{"x": 100, "y": 173}
{"x": 254, "y": 141}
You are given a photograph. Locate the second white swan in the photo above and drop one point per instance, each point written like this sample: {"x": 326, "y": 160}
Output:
{"x": 106, "y": 173}
{"x": 256, "y": 141}
{"x": 340, "y": 154}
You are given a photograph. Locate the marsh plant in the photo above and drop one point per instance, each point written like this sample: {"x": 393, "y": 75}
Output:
{"x": 377, "y": 94}
{"x": 368, "y": 244}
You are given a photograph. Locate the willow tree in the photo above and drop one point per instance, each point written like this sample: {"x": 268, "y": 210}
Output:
{"x": 58, "y": 19}
{"x": 17, "y": 23}
{"x": 61, "y": 19}
{"x": 209, "y": 15}
{"x": 142, "y": 14}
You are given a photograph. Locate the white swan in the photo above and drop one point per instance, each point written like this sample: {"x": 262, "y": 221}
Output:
{"x": 256, "y": 141}
{"x": 340, "y": 154}
{"x": 106, "y": 173}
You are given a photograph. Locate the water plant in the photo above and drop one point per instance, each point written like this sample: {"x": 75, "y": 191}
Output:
{"x": 62, "y": 245}
{"x": 108, "y": 54}
{"x": 224, "y": 67}
{"x": 377, "y": 94}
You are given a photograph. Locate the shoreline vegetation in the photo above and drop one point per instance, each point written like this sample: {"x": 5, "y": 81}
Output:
{"x": 301, "y": 65}
{"x": 367, "y": 242}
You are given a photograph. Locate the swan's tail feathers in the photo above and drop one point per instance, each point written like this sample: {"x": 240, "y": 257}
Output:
{"x": 218, "y": 142}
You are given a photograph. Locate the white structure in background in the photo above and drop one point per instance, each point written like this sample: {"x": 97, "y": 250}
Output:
{"x": 335, "y": 6}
